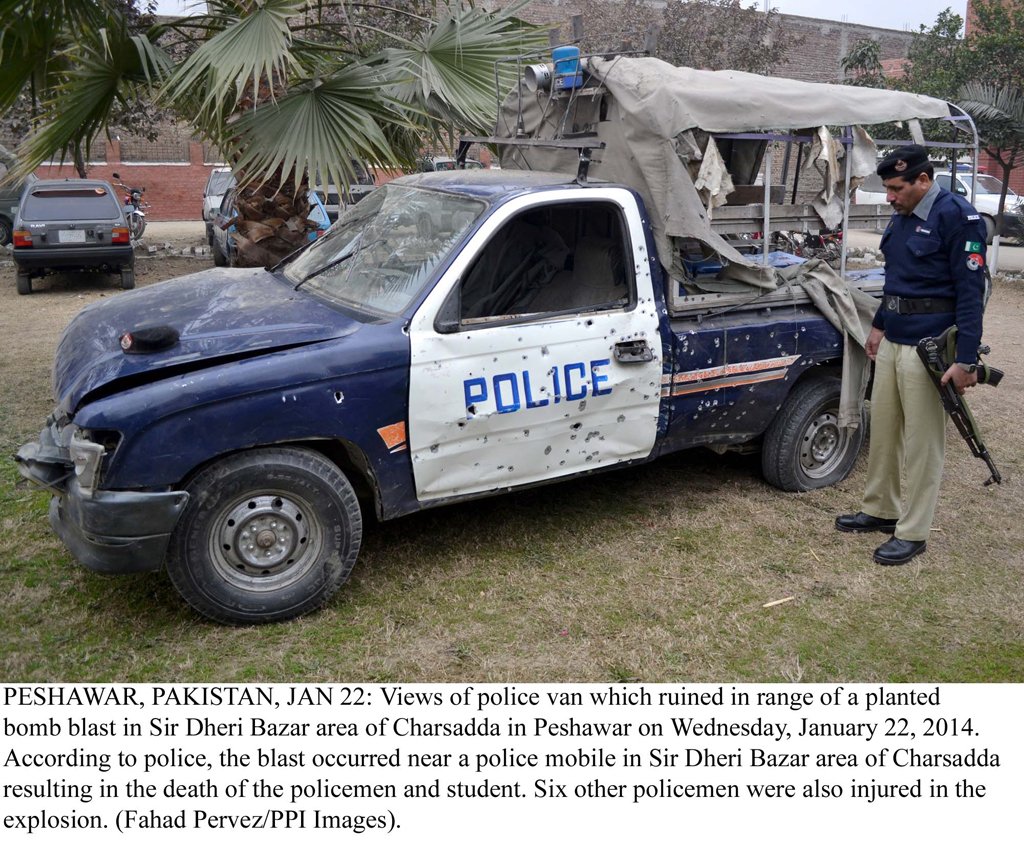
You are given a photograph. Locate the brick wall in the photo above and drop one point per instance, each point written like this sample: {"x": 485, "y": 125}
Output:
{"x": 824, "y": 43}
{"x": 174, "y": 190}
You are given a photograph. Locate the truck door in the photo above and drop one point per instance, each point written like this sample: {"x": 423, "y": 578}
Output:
{"x": 538, "y": 355}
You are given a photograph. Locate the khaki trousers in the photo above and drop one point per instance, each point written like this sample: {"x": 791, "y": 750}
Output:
{"x": 908, "y": 442}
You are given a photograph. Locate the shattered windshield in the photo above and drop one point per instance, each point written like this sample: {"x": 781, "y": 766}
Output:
{"x": 381, "y": 252}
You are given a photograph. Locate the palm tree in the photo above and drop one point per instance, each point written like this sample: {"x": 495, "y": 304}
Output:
{"x": 85, "y": 58}
{"x": 285, "y": 89}
{"x": 999, "y": 115}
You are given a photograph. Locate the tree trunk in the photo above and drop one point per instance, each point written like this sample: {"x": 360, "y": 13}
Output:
{"x": 80, "y": 166}
{"x": 273, "y": 221}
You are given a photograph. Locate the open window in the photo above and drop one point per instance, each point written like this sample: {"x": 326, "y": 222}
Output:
{"x": 559, "y": 258}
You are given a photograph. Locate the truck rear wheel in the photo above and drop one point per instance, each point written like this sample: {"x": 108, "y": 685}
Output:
{"x": 804, "y": 447}
{"x": 267, "y": 535}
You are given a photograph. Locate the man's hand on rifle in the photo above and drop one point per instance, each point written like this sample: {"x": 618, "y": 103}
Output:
{"x": 962, "y": 379}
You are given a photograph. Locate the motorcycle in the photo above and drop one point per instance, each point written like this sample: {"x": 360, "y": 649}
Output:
{"x": 133, "y": 208}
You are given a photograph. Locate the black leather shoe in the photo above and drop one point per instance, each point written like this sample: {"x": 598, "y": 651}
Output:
{"x": 861, "y": 522}
{"x": 897, "y": 551}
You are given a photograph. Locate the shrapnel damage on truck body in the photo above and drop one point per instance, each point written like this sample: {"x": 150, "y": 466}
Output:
{"x": 460, "y": 334}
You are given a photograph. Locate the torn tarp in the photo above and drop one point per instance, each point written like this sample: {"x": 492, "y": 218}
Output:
{"x": 645, "y": 110}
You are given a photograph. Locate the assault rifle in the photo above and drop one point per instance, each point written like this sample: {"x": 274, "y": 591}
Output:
{"x": 938, "y": 353}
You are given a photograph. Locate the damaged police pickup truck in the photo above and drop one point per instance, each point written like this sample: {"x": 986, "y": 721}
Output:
{"x": 454, "y": 335}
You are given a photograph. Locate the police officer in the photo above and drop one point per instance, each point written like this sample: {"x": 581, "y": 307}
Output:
{"x": 934, "y": 249}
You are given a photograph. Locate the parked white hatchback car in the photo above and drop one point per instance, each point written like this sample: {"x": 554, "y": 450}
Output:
{"x": 986, "y": 199}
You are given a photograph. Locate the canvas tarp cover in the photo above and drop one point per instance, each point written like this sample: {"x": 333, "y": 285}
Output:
{"x": 646, "y": 121}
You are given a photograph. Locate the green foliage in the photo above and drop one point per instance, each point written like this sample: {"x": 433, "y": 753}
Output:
{"x": 996, "y": 43}
{"x": 862, "y": 66}
{"x": 998, "y": 113}
{"x": 54, "y": 49}
{"x": 937, "y": 59}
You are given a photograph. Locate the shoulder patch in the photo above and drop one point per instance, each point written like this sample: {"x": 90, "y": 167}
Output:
{"x": 973, "y": 217}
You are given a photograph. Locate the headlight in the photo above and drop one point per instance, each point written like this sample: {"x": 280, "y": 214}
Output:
{"x": 87, "y": 457}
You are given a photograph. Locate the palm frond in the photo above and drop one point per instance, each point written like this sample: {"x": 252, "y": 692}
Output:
{"x": 319, "y": 126}
{"x": 249, "y": 57}
{"x": 449, "y": 70}
{"x": 106, "y": 70}
{"x": 989, "y": 102}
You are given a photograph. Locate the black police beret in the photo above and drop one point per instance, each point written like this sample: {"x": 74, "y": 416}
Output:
{"x": 906, "y": 161}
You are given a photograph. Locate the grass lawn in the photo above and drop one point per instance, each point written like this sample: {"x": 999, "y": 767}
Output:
{"x": 658, "y": 573}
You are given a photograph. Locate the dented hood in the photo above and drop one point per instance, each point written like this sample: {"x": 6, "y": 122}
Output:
{"x": 220, "y": 315}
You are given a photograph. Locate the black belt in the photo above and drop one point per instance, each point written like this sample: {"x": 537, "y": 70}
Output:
{"x": 917, "y": 306}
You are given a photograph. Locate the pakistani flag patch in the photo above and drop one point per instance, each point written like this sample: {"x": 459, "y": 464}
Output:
{"x": 972, "y": 246}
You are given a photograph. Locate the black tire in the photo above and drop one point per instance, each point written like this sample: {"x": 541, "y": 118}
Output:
{"x": 6, "y": 231}
{"x": 136, "y": 226}
{"x": 219, "y": 258}
{"x": 209, "y": 233}
{"x": 990, "y": 228}
{"x": 804, "y": 447}
{"x": 127, "y": 277}
{"x": 303, "y": 524}
{"x": 24, "y": 281}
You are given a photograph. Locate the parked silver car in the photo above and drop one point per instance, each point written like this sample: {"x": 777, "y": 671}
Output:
{"x": 71, "y": 224}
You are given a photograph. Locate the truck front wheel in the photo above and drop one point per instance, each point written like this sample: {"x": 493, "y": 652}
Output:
{"x": 804, "y": 447}
{"x": 267, "y": 535}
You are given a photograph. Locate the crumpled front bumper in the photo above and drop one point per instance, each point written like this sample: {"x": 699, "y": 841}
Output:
{"x": 106, "y": 531}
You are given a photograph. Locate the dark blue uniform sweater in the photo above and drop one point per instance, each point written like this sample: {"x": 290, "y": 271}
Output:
{"x": 942, "y": 256}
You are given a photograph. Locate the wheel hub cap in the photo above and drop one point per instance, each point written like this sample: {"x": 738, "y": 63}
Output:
{"x": 263, "y": 535}
{"x": 824, "y": 445}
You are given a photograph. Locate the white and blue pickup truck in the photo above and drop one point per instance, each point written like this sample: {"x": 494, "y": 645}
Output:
{"x": 454, "y": 335}
{"x": 465, "y": 333}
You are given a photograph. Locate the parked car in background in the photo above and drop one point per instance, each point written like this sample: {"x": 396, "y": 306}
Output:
{"x": 71, "y": 224}
{"x": 358, "y": 189}
{"x": 10, "y": 195}
{"x": 438, "y": 163}
{"x": 987, "y": 190}
{"x": 217, "y": 185}
{"x": 223, "y": 243}
{"x": 986, "y": 198}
